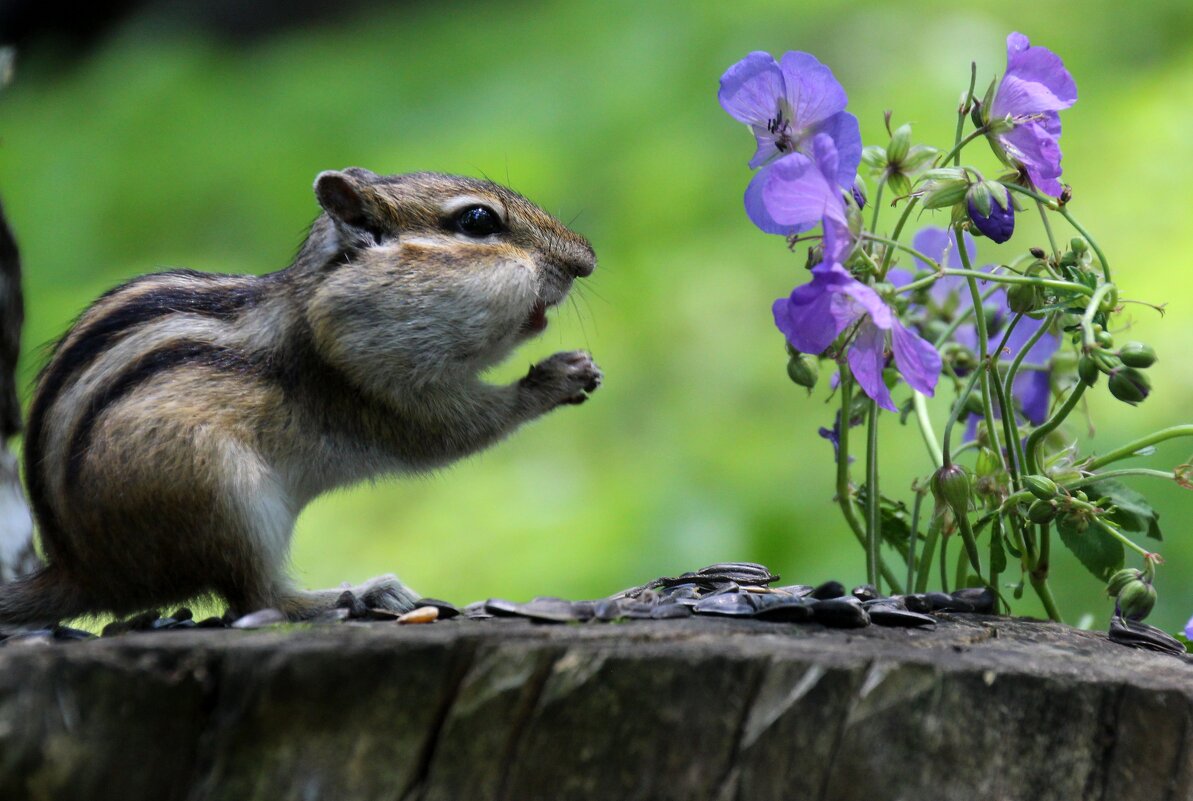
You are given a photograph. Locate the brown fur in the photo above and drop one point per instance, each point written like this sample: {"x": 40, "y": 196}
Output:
{"x": 185, "y": 419}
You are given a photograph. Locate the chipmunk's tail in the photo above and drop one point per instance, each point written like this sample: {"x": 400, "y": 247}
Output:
{"x": 41, "y": 598}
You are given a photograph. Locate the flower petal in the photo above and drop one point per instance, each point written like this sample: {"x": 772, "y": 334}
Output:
{"x": 1034, "y": 147}
{"x": 1033, "y": 391}
{"x": 918, "y": 361}
{"x": 846, "y": 135}
{"x": 815, "y": 313}
{"x": 1036, "y": 80}
{"x": 796, "y": 195}
{"x": 751, "y": 88}
{"x": 867, "y": 358}
{"x": 933, "y": 241}
{"x": 811, "y": 90}
{"x": 758, "y": 213}
{"x": 869, "y": 301}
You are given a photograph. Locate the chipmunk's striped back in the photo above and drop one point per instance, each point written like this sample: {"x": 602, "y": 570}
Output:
{"x": 185, "y": 419}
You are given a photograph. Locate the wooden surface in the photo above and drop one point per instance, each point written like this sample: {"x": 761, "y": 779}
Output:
{"x": 979, "y": 708}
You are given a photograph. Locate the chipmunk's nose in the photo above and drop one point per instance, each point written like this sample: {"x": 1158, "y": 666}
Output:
{"x": 579, "y": 259}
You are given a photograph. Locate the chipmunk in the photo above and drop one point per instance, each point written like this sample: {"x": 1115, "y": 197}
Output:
{"x": 186, "y": 418}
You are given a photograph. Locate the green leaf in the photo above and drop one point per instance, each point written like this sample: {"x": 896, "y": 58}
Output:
{"x": 1101, "y": 553}
{"x": 1132, "y": 513}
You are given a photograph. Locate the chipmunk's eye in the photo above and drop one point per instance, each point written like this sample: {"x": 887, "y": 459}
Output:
{"x": 478, "y": 221}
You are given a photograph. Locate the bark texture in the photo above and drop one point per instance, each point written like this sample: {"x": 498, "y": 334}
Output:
{"x": 505, "y": 709}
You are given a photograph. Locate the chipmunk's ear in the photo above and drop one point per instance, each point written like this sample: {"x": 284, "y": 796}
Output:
{"x": 343, "y": 195}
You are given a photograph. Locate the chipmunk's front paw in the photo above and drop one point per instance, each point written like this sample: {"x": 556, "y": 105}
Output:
{"x": 568, "y": 377}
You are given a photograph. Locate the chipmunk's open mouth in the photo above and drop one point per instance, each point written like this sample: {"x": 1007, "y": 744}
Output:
{"x": 536, "y": 321}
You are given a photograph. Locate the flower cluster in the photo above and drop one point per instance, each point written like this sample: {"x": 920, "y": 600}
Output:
{"x": 809, "y": 149}
{"x": 1020, "y": 340}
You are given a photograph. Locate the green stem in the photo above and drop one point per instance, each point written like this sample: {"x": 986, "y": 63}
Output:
{"x": 920, "y": 404}
{"x": 997, "y": 278}
{"x": 944, "y": 564}
{"x": 915, "y": 530}
{"x": 873, "y": 534}
{"x": 1040, "y": 585}
{"x": 955, "y": 153}
{"x": 877, "y": 205}
{"x": 1133, "y": 447}
{"x": 1124, "y": 473}
{"x": 921, "y": 579}
{"x": 1126, "y": 541}
{"x": 1009, "y": 382}
{"x": 971, "y": 542}
{"x": 962, "y": 113}
{"x": 1048, "y": 231}
{"x": 1034, "y": 438}
{"x": 844, "y": 491}
{"x": 889, "y": 252}
{"x": 960, "y": 572}
{"x": 954, "y": 413}
{"x": 1052, "y": 204}
{"x": 979, "y": 319}
{"x": 1010, "y": 427}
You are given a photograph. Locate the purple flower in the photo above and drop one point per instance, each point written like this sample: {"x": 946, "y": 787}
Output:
{"x": 787, "y": 104}
{"x": 817, "y": 312}
{"x": 999, "y": 223}
{"x": 1189, "y": 629}
{"x": 1035, "y": 87}
{"x": 797, "y": 192}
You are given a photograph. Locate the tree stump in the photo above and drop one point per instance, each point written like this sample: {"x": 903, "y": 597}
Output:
{"x": 980, "y": 707}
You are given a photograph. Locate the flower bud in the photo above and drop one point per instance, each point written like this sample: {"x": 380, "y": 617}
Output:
{"x": 1137, "y": 354}
{"x": 900, "y": 144}
{"x": 944, "y": 192}
{"x": 991, "y": 211}
{"x": 1038, "y": 253}
{"x": 1107, "y": 362}
{"x": 1041, "y": 511}
{"x": 987, "y": 463}
{"x": 899, "y": 183}
{"x": 1078, "y": 245}
{"x": 950, "y": 486}
{"x": 874, "y": 157}
{"x": 1088, "y": 371}
{"x": 859, "y": 193}
{"x": 1136, "y": 600}
{"x": 1105, "y": 339}
{"x": 975, "y": 113}
{"x": 1129, "y": 385}
{"x": 804, "y": 370}
{"x": 1042, "y": 487}
{"x": 1121, "y": 579}
{"x": 1024, "y": 298}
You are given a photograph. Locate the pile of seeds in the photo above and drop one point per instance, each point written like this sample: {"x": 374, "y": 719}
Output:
{"x": 728, "y": 590}
{"x": 742, "y": 590}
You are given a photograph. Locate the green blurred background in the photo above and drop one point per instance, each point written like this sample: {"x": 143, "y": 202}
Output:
{"x": 164, "y": 143}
